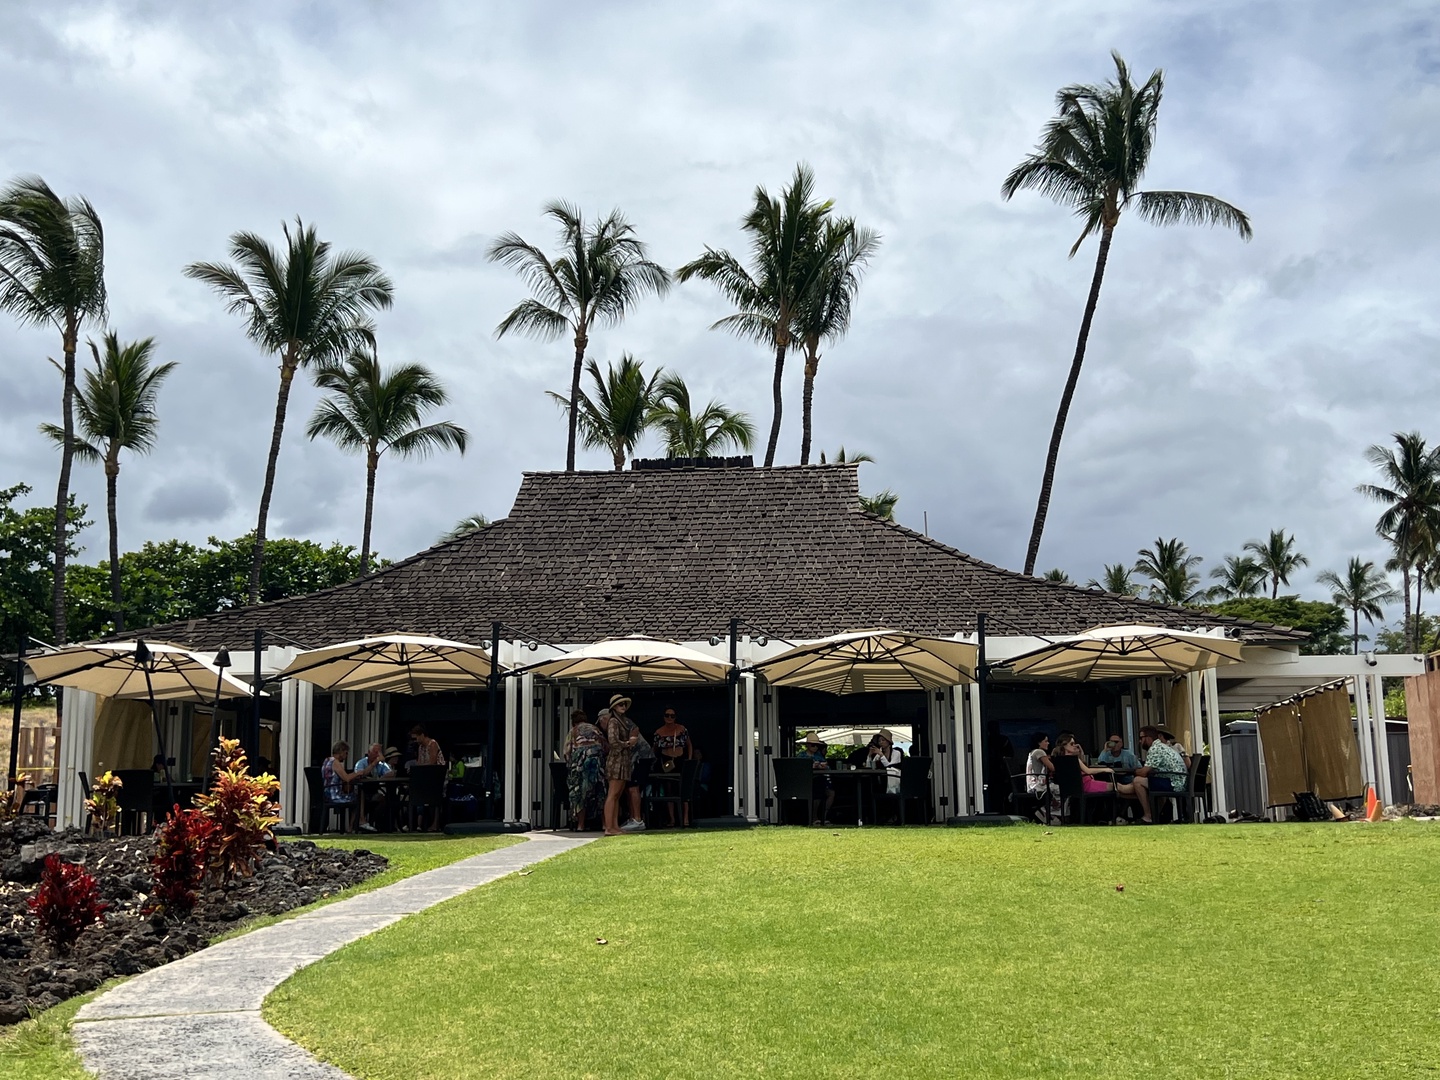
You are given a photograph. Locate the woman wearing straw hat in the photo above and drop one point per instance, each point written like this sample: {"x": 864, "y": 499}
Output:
{"x": 621, "y": 734}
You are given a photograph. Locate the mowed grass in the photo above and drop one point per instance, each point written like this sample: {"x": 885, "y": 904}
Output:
{"x": 1233, "y": 951}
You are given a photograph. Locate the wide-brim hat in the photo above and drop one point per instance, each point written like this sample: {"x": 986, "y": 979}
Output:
{"x": 813, "y": 739}
{"x": 390, "y": 752}
{"x": 886, "y": 734}
{"x": 619, "y": 699}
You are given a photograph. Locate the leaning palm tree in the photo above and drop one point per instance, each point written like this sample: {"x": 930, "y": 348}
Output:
{"x": 1091, "y": 157}
{"x": 1363, "y": 589}
{"x": 1115, "y": 579}
{"x": 597, "y": 279}
{"x": 620, "y": 411}
{"x": 1410, "y": 493}
{"x": 783, "y": 234}
{"x": 1171, "y": 570}
{"x": 304, "y": 304}
{"x": 881, "y": 504}
{"x": 115, "y": 407}
{"x": 692, "y": 434}
{"x": 824, "y": 315}
{"x": 1239, "y": 576}
{"x": 1277, "y": 558}
{"x": 379, "y": 412}
{"x": 52, "y": 273}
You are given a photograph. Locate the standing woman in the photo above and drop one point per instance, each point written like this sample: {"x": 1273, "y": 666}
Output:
{"x": 584, "y": 753}
{"x": 672, "y": 746}
{"x": 621, "y": 734}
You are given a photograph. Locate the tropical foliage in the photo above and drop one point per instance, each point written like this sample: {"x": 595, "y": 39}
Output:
{"x": 618, "y": 410}
{"x": 66, "y": 903}
{"x": 1239, "y": 576}
{"x": 1277, "y": 558}
{"x": 600, "y": 273}
{"x": 1409, "y": 493}
{"x": 377, "y": 412}
{"x": 465, "y": 525}
{"x": 1092, "y": 157}
{"x": 1056, "y": 575}
{"x": 1171, "y": 570}
{"x": 882, "y": 504}
{"x": 1115, "y": 579}
{"x": 692, "y": 433}
{"x": 1325, "y": 623}
{"x": 1362, "y": 589}
{"x": 242, "y": 809}
{"x": 27, "y": 564}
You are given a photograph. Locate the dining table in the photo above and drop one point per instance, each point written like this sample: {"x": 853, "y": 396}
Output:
{"x": 862, "y": 781}
{"x": 394, "y": 789}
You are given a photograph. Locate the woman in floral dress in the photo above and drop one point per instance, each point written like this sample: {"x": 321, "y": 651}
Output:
{"x": 584, "y": 753}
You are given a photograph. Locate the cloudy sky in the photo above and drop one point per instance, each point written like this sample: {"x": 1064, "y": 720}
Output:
{"x": 1230, "y": 388}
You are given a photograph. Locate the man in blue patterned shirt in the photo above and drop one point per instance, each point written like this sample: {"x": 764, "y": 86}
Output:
{"x": 1164, "y": 768}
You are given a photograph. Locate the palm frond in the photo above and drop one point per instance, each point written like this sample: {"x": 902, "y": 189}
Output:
{"x": 1190, "y": 208}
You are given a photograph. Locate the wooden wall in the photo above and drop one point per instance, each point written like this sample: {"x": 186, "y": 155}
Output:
{"x": 1422, "y": 707}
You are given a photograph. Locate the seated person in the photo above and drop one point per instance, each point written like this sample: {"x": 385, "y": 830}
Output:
{"x": 392, "y": 759}
{"x": 337, "y": 780}
{"x": 814, "y": 751}
{"x": 883, "y": 754}
{"x": 1164, "y": 768}
{"x": 1039, "y": 774}
{"x": 1175, "y": 744}
{"x": 1091, "y": 782}
{"x": 373, "y": 764}
{"x": 1115, "y": 753}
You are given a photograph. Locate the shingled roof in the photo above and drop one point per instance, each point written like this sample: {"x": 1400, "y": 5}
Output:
{"x": 676, "y": 554}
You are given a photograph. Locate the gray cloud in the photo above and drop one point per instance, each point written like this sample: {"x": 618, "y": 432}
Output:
{"x": 189, "y": 501}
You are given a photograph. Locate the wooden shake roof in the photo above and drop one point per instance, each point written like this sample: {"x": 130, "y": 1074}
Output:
{"x": 676, "y": 553}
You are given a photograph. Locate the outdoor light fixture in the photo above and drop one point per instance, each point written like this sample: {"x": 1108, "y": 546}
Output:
{"x": 222, "y": 658}
{"x": 715, "y": 640}
{"x": 532, "y": 645}
{"x": 762, "y": 641}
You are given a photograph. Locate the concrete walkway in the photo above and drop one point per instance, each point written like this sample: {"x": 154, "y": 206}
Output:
{"x": 199, "y": 1016}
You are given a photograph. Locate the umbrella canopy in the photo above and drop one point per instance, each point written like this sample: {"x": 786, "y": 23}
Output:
{"x": 635, "y": 661}
{"x": 869, "y": 660}
{"x": 118, "y": 670}
{"x": 1125, "y": 652}
{"x": 397, "y": 663}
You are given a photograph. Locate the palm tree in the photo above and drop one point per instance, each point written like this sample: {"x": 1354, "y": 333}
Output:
{"x": 783, "y": 235}
{"x": 116, "y": 410}
{"x": 598, "y": 277}
{"x": 1091, "y": 157}
{"x": 1171, "y": 570}
{"x": 881, "y": 504}
{"x": 1239, "y": 576}
{"x": 857, "y": 458}
{"x": 1057, "y": 575}
{"x": 620, "y": 412}
{"x": 465, "y": 525}
{"x": 1115, "y": 579}
{"x": 379, "y": 412}
{"x": 52, "y": 273}
{"x": 304, "y": 304}
{"x": 1410, "y": 492}
{"x": 824, "y": 314}
{"x": 1277, "y": 558}
{"x": 691, "y": 434}
{"x": 1363, "y": 589}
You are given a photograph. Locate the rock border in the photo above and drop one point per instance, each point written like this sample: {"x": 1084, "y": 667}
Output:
{"x": 199, "y": 1016}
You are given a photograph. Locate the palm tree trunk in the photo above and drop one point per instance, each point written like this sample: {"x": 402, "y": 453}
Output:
{"x": 780, "y": 349}
{"x": 1419, "y": 595}
{"x": 112, "y": 477}
{"x": 1274, "y": 586}
{"x": 1409, "y": 634}
{"x": 1043, "y": 506}
{"x": 812, "y": 365}
{"x": 62, "y": 491}
{"x": 372, "y": 462}
{"x": 618, "y": 457}
{"x": 282, "y": 401}
{"x": 580, "y": 342}
{"x": 1355, "y": 637}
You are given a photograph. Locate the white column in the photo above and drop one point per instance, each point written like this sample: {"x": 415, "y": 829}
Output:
{"x": 977, "y": 753}
{"x": 1382, "y": 740}
{"x": 77, "y": 741}
{"x": 512, "y": 751}
{"x": 528, "y": 743}
{"x": 955, "y": 736}
{"x": 288, "y": 768}
{"x": 1365, "y": 732}
{"x": 753, "y": 807}
{"x": 1211, "y": 683}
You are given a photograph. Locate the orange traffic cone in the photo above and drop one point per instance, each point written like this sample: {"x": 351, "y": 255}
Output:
{"x": 1374, "y": 808}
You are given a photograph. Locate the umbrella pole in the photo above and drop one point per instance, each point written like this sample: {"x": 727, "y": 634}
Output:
{"x": 252, "y": 733}
{"x": 732, "y": 682}
{"x": 222, "y": 661}
{"x": 493, "y": 681}
{"x": 159, "y": 736}
{"x": 982, "y": 681}
{"x": 19, "y": 706}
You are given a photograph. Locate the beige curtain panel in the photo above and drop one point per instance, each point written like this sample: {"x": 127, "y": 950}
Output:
{"x": 1177, "y": 712}
{"x": 1284, "y": 751}
{"x": 1332, "y": 754}
{"x": 124, "y": 736}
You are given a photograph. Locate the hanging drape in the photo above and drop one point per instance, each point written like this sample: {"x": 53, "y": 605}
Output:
{"x": 124, "y": 736}
{"x": 1309, "y": 745}
{"x": 1177, "y": 712}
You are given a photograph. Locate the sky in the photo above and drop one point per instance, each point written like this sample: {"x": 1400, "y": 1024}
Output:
{"x": 1230, "y": 388}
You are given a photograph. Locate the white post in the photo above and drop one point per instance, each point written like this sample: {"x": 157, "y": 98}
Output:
{"x": 525, "y": 711}
{"x": 512, "y": 752}
{"x": 1217, "y": 758}
{"x": 955, "y": 736}
{"x": 752, "y": 757}
{"x": 287, "y": 768}
{"x": 977, "y": 754}
{"x": 1365, "y": 733}
{"x": 1382, "y": 740}
{"x": 77, "y": 741}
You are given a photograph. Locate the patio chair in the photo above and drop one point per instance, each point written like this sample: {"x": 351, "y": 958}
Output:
{"x": 679, "y": 796}
{"x": 1072, "y": 789}
{"x": 1026, "y": 802}
{"x": 914, "y": 787}
{"x": 560, "y": 794}
{"x": 795, "y": 780}
{"x": 1195, "y": 788}
{"x": 137, "y": 801}
{"x": 318, "y": 819}
{"x": 427, "y": 790}
{"x": 85, "y": 788}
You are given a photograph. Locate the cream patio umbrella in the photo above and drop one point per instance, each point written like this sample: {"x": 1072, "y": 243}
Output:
{"x": 870, "y": 660}
{"x": 1126, "y": 652}
{"x": 634, "y": 661}
{"x": 396, "y": 663}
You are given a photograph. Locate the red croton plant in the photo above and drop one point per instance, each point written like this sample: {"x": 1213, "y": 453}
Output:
{"x": 182, "y": 855}
{"x": 67, "y": 902}
{"x": 242, "y": 809}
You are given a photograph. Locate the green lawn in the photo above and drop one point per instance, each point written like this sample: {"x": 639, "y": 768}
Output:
{"x": 1234, "y": 951}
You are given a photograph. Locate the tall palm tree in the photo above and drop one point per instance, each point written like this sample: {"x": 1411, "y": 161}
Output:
{"x": 1277, "y": 558}
{"x": 1239, "y": 576}
{"x": 380, "y": 412}
{"x": 783, "y": 233}
{"x": 305, "y": 304}
{"x": 824, "y": 315}
{"x": 1171, "y": 570}
{"x": 1410, "y": 493}
{"x": 597, "y": 278}
{"x": 1092, "y": 157}
{"x": 621, "y": 410}
{"x": 1115, "y": 579}
{"x": 52, "y": 273}
{"x": 881, "y": 504}
{"x": 115, "y": 407}
{"x": 1363, "y": 589}
{"x": 691, "y": 434}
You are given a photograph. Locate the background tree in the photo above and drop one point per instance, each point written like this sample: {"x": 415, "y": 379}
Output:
{"x": 380, "y": 412}
{"x": 27, "y": 565}
{"x": 691, "y": 434}
{"x": 304, "y": 304}
{"x": 1277, "y": 558}
{"x": 783, "y": 234}
{"x": 1171, "y": 570}
{"x": 1363, "y": 589}
{"x": 620, "y": 411}
{"x": 1409, "y": 491}
{"x": 1239, "y": 575}
{"x": 1115, "y": 579}
{"x": 465, "y": 525}
{"x": 881, "y": 504}
{"x": 52, "y": 272}
{"x": 857, "y": 458}
{"x": 1057, "y": 575}
{"x": 599, "y": 276}
{"x": 1325, "y": 623}
{"x": 843, "y": 250}
{"x": 116, "y": 411}
{"x": 1092, "y": 157}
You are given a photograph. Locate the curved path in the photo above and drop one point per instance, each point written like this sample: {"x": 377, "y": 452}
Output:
{"x": 199, "y": 1016}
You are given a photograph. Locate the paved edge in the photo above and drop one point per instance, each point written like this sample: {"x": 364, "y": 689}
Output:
{"x": 199, "y": 1016}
